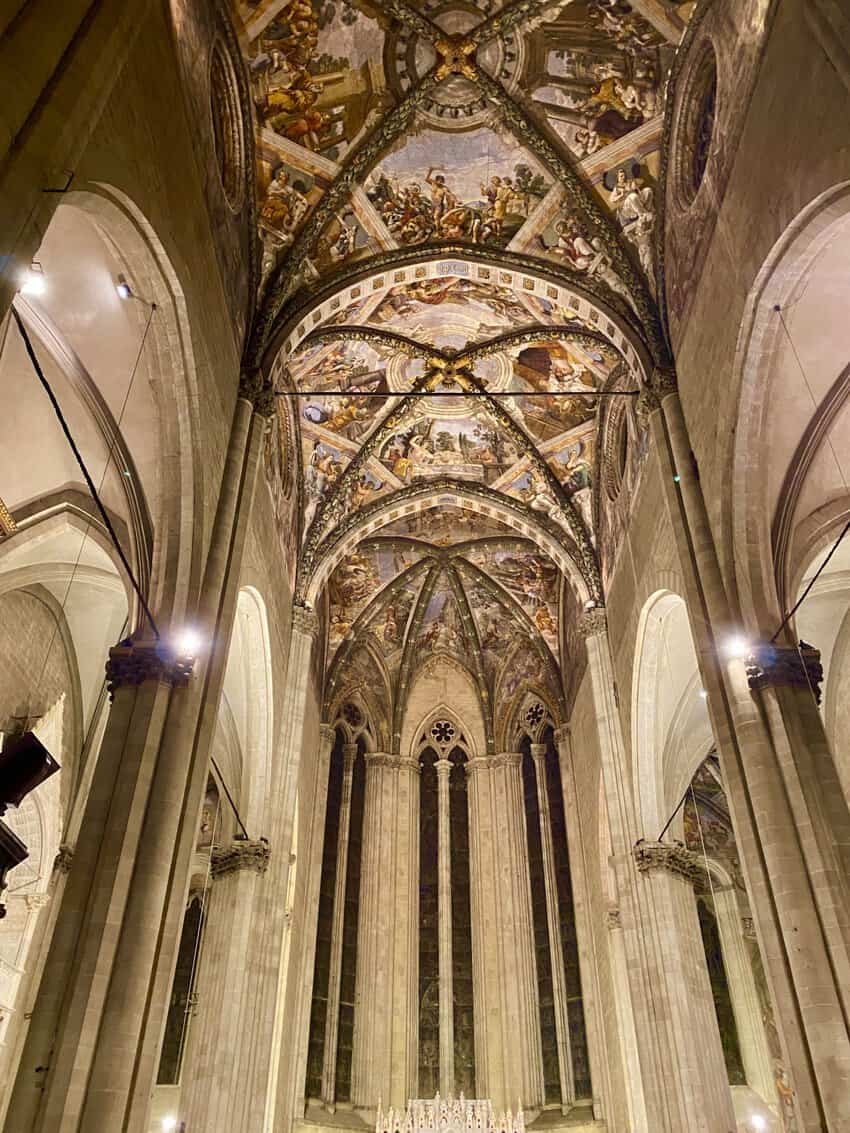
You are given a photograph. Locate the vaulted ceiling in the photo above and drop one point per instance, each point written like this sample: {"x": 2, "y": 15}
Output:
{"x": 458, "y": 206}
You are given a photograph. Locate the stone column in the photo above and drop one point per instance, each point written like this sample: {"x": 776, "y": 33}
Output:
{"x": 830, "y": 24}
{"x": 349, "y": 753}
{"x": 650, "y": 1106}
{"x": 443, "y": 768}
{"x": 743, "y": 992}
{"x": 784, "y": 841}
{"x": 508, "y": 1060}
{"x": 587, "y": 951}
{"x": 287, "y": 1104}
{"x": 684, "y": 1005}
{"x": 386, "y": 1014}
{"x": 67, "y": 1007}
{"x": 214, "y": 1097}
{"x": 146, "y": 950}
{"x": 553, "y": 922}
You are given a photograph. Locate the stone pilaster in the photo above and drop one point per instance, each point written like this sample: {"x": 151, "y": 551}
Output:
{"x": 508, "y": 1057}
{"x": 684, "y": 1003}
{"x": 386, "y": 1018}
{"x": 587, "y": 947}
{"x": 349, "y": 753}
{"x": 214, "y": 1096}
{"x": 443, "y": 768}
{"x": 553, "y": 922}
{"x": 292, "y": 1018}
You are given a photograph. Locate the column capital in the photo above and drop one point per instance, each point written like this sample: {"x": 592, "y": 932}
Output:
{"x": 244, "y": 853}
{"x": 63, "y": 859}
{"x": 349, "y": 754}
{"x": 134, "y": 662}
{"x": 506, "y": 759}
{"x": 593, "y": 622}
{"x": 327, "y": 734}
{"x": 538, "y": 751}
{"x": 443, "y": 767}
{"x": 562, "y": 735}
{"x": 387, "y": 759}
{"x": 794, "y": 666}
{"x": 613, "y": 918}
{"x": 253, "y": 387}
{"x": 304, "y": 621}
{"x": 671, "y": 857}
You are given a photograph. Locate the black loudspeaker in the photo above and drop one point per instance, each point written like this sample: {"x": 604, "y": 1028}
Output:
{"x": 24, "y": 763}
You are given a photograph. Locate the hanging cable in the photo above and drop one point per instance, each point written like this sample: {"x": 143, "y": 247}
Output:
{"x": 82, "y": 465}
{"x": 228, "y": 795}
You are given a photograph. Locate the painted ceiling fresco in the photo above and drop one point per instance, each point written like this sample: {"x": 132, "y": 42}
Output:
{"x": 418, "y": 161}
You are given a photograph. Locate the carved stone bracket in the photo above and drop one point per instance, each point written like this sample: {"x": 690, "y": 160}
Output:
{"x": 593, "y": 621}
{"x": 672, "y": 857}
{"x": 63, "y": 859}
{"x": 245, "y": 853}
{"x": 775, "y": 666}
{"x": 134, "y": 662}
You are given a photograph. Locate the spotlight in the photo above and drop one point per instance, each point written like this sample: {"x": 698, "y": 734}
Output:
{"x": 188, "y": 643}
{"x": 169, "y": 1123}
{"x": 676, "y": 478}
{"x": 123, "y": 288}
{"x": 758, "y": 1122}
{"x": 590, "y": 604}
{"x": 34, "y": 282}
{"x": 703, "y": 694}
{"x": 737, "y": 647}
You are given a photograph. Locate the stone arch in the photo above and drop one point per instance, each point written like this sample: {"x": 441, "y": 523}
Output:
{"x": 97, "y": 233}
{"x": 517, "y": 517}
{"x": 780, "y": 475}
{"x": 440, "y": 712}
{"x": 671, "y": 733}
{"x": 523, "y": 275}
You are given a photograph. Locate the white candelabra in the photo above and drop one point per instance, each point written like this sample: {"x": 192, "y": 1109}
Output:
{"x": 449, "y": 1115}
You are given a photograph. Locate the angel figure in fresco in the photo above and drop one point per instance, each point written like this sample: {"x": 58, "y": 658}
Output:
{"x": 585, "y": 255}
{"x": 633, "y": 202}
{"x": 284, "y": 207}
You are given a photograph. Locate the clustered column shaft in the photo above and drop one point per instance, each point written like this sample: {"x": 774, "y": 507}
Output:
{"x": 553, "y": 921}
{"x": 349, "y": 753}
{"x": 444, "y": 920}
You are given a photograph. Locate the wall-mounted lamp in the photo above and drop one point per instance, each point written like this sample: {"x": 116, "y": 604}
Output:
{"x": 34, "y": 281}
{"x": 123, "y": 288}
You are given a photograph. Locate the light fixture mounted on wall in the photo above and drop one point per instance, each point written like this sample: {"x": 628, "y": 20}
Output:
{"x": 123, "y": 288}
{"x": 34, "y": 281}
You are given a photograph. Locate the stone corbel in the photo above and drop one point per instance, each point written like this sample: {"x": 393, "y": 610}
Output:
{"x": 245, "y": 853}
{"x": 670, "y": 857}
{"x": 134, "y": 662}
{"x": 776, "y": 666}
{"x": 304, "y": 621}
{"x": 63, "y": 859}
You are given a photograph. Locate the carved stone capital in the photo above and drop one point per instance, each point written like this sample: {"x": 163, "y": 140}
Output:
{"x": 671, "y": 857}
{"x": 304, "y": 621}
{"x": 593, "y": 621}
{"x": 246, "y": 853}
{"x": 134, "y": 662}
{"x": 538, "y": 752}
{"x": 395, "y": 762}
{"x": 646, "y": 403}
{"x": 775, "y": 666}
{"x": 63, "y": 859}
{"x": 664, "y": 382}
{"x": 613, "y": 919}
{"x": 562, "y": 736}
{"x": 506, "y": 759}
{"x": 443, "y": 767}
{"x": 36, "y": 901}
{"x": 327, "y": 734}
{"x": 253, "y": 387}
